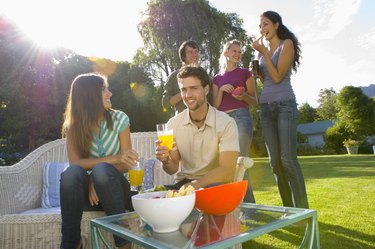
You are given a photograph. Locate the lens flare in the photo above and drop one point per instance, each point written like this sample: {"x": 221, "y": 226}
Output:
{"x": 103, "y": 66}
{"x": 139, "y": 90}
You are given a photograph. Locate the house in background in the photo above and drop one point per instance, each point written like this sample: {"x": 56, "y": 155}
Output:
{"x": 315, "y": 131}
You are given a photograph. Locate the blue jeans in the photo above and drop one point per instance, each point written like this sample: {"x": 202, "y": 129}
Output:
{"x": 279, "y": 125}
{"x": 245, "y": 133}
{"x": 111, "y": 187}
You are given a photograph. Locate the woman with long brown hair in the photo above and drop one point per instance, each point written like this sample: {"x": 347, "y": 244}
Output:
{"x": 99, "y": 153}
{"x": 279, "y": 56}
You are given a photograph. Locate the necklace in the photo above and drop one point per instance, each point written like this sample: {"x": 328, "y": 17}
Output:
{"x": 198, "y": 120}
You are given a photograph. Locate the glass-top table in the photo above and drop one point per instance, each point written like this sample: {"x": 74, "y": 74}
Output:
{"x": 246, "y": 222}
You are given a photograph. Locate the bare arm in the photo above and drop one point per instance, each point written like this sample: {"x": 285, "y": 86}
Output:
{"x": 217, "y": 93}
{"x": 122, "y": 162}
{"x": 175, "y": 99}
{"x": 170, "y": 159}
{"x": 127, "y": 156}
{"x": 286, "y": 57}
{"x": 223, "y": 173}
{"x": 217, "y": 96}
{"x": 250, "y": 96}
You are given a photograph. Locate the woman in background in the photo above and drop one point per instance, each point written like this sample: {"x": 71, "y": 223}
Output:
{"x": 233, "y": 92}
{"x": 99, "y": 152}
{"x": 278, "y": 57}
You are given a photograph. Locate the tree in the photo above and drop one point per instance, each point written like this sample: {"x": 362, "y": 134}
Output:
{"x": 307, "y": 113}
{"x": 327, "y": 104}
{"x": 168, "y": 23}
{"x": 136, "y": 95}
{"x": 27, "y": 96}
{"x": 334, "y": 137}
{"x": 355, "y": 118}
{"x": 356, "y": 112}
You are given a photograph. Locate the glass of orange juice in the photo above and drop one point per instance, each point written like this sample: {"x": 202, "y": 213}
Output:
{"x": 165, "y": 135}
{"x": 136, "y": 177}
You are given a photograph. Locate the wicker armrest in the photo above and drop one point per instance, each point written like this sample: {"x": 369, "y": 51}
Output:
{"x": 243, "y": 163}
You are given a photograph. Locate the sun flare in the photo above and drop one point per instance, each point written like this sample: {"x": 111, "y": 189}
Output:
{"x": 88, "y": 27}
{"x": 40, "y": 27}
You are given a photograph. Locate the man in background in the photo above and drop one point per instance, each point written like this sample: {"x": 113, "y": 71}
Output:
{"x": 189, "y": 55}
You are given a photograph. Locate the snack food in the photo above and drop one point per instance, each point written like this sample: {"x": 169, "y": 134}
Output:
{"x": 181, "y": 192}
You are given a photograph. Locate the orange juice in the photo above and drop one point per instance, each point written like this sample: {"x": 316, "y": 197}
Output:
{"x": 167, "y": 140}
{"x": 136, "y": 177}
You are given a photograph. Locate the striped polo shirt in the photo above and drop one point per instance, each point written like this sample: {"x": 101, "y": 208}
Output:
{"x": 108, "y": 142}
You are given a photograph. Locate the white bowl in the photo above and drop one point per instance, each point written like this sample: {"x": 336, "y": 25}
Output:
{"x": 164, "y": 215}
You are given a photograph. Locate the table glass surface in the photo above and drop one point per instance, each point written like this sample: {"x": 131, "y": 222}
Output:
{"x": 244, "y": 223}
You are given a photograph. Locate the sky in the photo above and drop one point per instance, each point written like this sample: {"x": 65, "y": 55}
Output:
{"x": 337, "y": 36}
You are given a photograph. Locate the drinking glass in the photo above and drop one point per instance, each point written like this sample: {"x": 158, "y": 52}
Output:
{"x": 136, "y": 177}
{"x": 165, "y": 135}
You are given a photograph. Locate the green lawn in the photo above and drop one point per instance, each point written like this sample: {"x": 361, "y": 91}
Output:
{"x": 342, "y": 190}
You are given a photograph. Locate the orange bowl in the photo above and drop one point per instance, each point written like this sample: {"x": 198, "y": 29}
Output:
{"x": 221, "y": 199}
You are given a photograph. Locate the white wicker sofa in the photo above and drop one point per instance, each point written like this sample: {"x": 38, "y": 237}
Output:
{"x": 21, "y": 190}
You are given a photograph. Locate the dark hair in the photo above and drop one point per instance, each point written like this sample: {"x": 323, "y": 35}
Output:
{"x": 181, "y": 50}
{"x": 284, "y": 33}
{"x": 194, "y": 71}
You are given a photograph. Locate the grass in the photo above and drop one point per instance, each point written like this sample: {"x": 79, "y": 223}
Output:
{"x": 342, "y": 190}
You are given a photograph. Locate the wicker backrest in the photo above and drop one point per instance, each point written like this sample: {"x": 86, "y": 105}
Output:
{"x": 144, "y": 143}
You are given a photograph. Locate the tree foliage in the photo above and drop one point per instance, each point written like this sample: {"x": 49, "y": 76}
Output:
{"x": 167, "y": 23}
{"x": 35, "y": 83}
{"x": 356, "y": 112}
{"x": 27, "y": 95}
{"x": 327, "y": 109}
{"x": 355, "y": 118}
{"x": 334, "y": 137}
{"x": 307, "y": 113}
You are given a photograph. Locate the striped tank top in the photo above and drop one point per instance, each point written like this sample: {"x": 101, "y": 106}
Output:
{"x": 108, "y": 142}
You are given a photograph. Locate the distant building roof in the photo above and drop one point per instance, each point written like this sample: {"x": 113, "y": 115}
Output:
{"x": 315, "y": 127}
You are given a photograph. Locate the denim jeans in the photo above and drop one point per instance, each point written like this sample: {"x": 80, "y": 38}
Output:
{"x": 245, "y": 133}
{"x": 279, "y": 125}
{"x": 111, "y": 187}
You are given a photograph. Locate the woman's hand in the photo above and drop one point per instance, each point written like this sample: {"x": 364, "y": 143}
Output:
{"x": 259, "y": 45}
{"x": 125, "y": 161}
{"x": 129, "y": 158}
{"x": 93, "y": 197}
{"x": 228, "y": 88}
